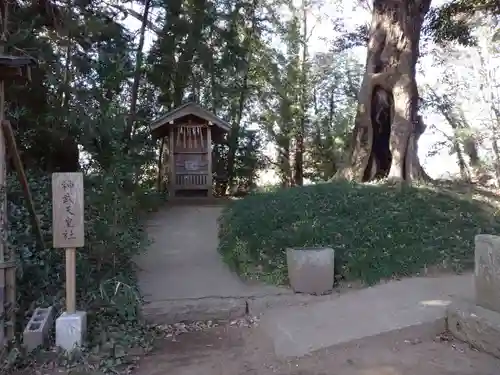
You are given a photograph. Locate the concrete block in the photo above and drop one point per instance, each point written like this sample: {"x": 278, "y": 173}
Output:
{"x": 487, "y": 271}
{"x": 37, "y": 330}
{"x": 475, "y": 325}
{"x": 71, "y": 330}
{"x": 310, "y": 270}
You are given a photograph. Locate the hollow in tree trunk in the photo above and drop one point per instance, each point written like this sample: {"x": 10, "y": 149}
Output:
{"x": 387, "y": 125}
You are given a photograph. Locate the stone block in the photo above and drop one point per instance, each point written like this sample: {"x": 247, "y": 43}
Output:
{"x": 187, "y": 310}
{"x": 260, "y": 304}
{"x": 71, "y": 330}
{"x": 487, "y": 271}
{"x": 37, "y": 330}
{"x": 311, "y": 270}
{"x": 475, "y": 325}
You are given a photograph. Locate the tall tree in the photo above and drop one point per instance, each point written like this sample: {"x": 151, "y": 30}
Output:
{"x": 139, "y": 56}
{"x": 464, "y": 92}
{"x": 335, "y": 80}
{"x": 304, "y": 94}
{"x": 387, "y": 125}
{"x": 248, "y": 45}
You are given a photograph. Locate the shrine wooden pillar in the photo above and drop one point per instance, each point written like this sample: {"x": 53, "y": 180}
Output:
{"x": 190, "y": 131}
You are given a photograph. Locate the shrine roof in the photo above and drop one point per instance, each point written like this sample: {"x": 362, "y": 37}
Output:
{"x": 185, "y": 110}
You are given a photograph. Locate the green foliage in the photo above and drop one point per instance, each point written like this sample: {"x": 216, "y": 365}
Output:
{"x": 75, "y": 114}
{"x": 377, "y": 231}
{"x": 106, "y": 283}
{"x": 453, "y": 21}
{"x": 266, "y": 189}
{"x": 248, "y": 159}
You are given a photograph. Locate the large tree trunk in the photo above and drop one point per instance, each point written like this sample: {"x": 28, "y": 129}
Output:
{"x": 298, "y": 178}
{"x": 387, "y": 125}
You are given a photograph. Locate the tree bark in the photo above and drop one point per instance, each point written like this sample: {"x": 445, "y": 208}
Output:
{"x": 387, "y": 125}
{"x": 234, "y": 135}
{"x": 298, "y": 178}
{"x": 139, "y": 56}
{"x": 65, "y": 156}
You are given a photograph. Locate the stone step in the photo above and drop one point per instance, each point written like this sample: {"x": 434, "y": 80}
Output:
{"x": 299, "y": 330}
{"x": 198, "y": 201}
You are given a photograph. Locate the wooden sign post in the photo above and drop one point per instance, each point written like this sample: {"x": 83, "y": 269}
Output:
{"x": 67, "y": 227}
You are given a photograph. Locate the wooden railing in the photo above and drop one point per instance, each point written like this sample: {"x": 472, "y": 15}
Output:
{"x": 191, "y": 180}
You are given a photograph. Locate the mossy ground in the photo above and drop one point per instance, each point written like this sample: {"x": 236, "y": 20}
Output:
{"x": 377, "y": 230}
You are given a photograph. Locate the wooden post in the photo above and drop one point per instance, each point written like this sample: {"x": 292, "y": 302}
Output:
{"x": 171, "y": 161}
{"x": 3, "y": 217}
{"x": 71, "y": 280}
{"x": 160, "y": 176}
{"x": 209, "y": 158}
{"x": 4, "y": 298}
{"x": 68, "y": 230}
{"x": 8, "y": 299}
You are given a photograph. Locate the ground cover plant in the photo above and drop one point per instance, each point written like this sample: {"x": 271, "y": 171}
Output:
{"x": 377, "y": 230}
{"x": 107, "y": 287}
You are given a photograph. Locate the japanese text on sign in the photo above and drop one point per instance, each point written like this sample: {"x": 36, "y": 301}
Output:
{"x": 67, "y": 200}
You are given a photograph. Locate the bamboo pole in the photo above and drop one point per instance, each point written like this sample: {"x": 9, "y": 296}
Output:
{"x": 12, "y": 146}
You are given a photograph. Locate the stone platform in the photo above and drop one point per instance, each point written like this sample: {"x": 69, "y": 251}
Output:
{"x": 412, "y": 302}
{"x": 477, "y": 320}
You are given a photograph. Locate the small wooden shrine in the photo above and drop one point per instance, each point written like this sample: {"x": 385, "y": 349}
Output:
{"x": 16, "y": 68}
{"x": 187, "y": 135}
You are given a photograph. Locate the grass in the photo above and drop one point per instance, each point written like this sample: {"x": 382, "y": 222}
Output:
{"x": 377, "y": 231}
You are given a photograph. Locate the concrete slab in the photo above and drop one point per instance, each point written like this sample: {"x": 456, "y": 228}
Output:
{"x": 183, "y": 271}
{"x": 475, "y": 325}
{"x": 300, "y": 330}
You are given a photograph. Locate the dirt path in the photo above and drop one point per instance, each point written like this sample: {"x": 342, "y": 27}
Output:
{"x": 244, "y": 351}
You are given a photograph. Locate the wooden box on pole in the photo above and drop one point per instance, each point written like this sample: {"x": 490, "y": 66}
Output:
{"x": 67, "y": 211}
{"x": 68, "y": 225}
